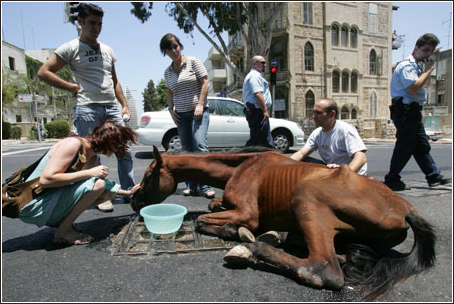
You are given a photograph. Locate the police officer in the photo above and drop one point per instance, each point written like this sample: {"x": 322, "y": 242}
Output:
{"x": 257, "y": 98}
{"x": 408, "y": 97}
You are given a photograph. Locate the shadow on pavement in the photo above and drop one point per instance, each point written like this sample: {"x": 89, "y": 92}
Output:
{"x": 100, "y": 229}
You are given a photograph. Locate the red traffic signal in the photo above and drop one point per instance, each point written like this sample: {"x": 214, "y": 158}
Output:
{"x": 273, "y": 71}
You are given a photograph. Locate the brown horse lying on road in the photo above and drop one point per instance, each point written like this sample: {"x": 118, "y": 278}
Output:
{"x": 327, "y": 207}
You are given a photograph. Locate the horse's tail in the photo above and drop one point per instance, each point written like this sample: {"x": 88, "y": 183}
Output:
{"x": 379, "y": 272}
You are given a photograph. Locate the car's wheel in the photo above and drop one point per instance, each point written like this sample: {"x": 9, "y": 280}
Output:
{"x": 172, "y": 142}
{"x": 281, "y": 140}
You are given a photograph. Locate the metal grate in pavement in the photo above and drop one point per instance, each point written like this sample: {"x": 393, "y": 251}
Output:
{"x": 137, "y": 240}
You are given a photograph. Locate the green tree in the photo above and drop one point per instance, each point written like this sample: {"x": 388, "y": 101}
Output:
{"x": 161, "y": 94}
{"x": 155, "y": 99}
{"x": 148, "y": 96}
{"x": 14, "y": 83}
{"x": 231, "y": 17}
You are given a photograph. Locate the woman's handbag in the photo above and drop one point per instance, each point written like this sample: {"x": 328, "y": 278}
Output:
{"x": 16, "y": 192}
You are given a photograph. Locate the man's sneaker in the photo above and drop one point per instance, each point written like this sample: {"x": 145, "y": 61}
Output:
{"x": 106, "y": 206}
{"x": 440, "y": 180}
{"x": 397, "y": 185}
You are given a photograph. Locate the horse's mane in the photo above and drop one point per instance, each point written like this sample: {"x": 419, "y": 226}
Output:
{"x": 251, "y": 149}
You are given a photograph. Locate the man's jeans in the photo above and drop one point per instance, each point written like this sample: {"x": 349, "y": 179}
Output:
{"x": 193, "y": 136}
{"x": 86, "y": 118}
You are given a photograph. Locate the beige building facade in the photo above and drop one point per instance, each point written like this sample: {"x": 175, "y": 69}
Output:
{"x": 338, "y": 50}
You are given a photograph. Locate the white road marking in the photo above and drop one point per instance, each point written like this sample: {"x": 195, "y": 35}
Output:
{"x": 24, "y": 151}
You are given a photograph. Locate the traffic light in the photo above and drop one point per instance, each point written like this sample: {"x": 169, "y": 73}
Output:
{"x": 273, "y": 71}
{"x": 72, "y": 12}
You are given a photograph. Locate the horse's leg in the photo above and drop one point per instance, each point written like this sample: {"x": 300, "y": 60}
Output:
{"x": 321, "y": 268}
{"x": 225, "y": 224}
{"x": 216, "y": 204}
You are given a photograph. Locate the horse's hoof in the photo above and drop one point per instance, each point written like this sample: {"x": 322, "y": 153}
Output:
{"x": 238, "y": 255}
{"x": 271, "y": 238}
{"x": 246, "y": 235}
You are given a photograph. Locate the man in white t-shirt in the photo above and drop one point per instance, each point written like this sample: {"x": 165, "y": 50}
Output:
{"x": 97, "y": 88}
{"x": 337, "y": 142}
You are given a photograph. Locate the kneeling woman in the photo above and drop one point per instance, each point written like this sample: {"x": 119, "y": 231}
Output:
{"x": 73, "y": 180}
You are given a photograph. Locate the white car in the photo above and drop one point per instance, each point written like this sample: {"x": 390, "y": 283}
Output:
{"x": 228, "y": 128}
{"x": 434, "y": 135}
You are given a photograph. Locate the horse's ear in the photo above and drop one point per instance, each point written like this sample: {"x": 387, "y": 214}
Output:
{"x": 157, "y": 156}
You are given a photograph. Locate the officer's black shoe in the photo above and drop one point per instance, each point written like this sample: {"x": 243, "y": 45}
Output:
{"x": 440, "y": 180}
{"x": 397, "y": 185}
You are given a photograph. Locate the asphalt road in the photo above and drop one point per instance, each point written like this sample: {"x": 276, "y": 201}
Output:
{"x": 35, "y": 270}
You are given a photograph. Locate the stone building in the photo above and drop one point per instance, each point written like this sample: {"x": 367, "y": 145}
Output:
{"x": 339, "y": 50}
{"x": 438, "y": 110}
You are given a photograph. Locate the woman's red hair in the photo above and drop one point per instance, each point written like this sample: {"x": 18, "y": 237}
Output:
{"x": 111, "y": 137}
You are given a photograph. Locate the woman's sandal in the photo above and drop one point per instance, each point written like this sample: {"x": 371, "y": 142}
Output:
{"x": 85, "y": 239}
{"x": 208, "y": 193}
{"x": 191, "y": 192}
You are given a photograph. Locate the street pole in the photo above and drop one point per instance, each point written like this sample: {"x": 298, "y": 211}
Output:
{"x": 38, "y": 129}
{"x": 272, "y": 99}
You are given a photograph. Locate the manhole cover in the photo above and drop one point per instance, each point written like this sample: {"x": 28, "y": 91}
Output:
{"x": 421, "y": 189}
{"x": 135, "y": 239}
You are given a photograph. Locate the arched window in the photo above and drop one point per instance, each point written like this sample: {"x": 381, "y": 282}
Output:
{"x": 373, "y": 63}
{"x": 354, "y": 82}
{"x": 308, "y": 57}
{"x": 344, "y": 81}
{"x": 354, "y": 113}
{"x": 310, "y": 101}
{"x": 336, "y": 81}
{"x": 344, "y": 36}
{"x": 345, "y": 113}
{"x": 335, "y": 35}
{"x": 353, "y": 38}
{"x": 373, "y": 105}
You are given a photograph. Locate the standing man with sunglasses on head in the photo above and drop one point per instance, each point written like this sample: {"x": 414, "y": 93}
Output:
{"x": 257, "y": 99}
{"x": 97, "y": 88}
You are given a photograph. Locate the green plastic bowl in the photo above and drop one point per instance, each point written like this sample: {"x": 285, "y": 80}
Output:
{"x": 163, "y": 218}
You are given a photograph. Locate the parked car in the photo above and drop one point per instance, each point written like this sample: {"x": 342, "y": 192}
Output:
{"x": 434, "y": 135}
{"x": 228, "y": 128}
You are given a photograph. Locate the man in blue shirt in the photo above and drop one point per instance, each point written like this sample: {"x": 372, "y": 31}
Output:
{"x": 257, "y": 99}
{"x": 408, "y": 97}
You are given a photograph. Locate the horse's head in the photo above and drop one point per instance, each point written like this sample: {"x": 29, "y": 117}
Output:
{"x": 157, "y": 184}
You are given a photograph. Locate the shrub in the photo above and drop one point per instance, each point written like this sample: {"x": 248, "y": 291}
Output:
{"x": 57, "y": 129}
{"x": 6, "y": 130}
{"x": 16, "y": 132}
